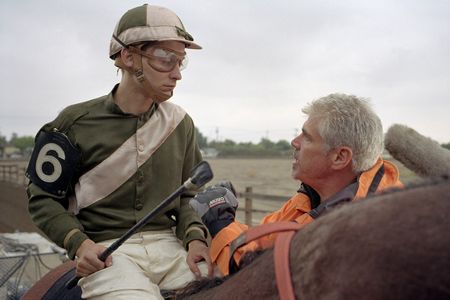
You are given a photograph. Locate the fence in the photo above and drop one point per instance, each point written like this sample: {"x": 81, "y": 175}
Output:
{"x": 13, "y": 172}
{"x": 249, "y": 204}
{"x": 252, "y": 209}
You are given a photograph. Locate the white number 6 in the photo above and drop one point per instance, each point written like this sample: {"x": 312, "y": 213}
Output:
{"x": 43, "y": 157}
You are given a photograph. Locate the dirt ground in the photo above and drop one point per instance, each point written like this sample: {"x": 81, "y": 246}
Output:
{"x": 266, "y": 176}
{"x": 13, "y": 212}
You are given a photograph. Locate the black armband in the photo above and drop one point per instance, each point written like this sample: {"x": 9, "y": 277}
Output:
{"x": 53, "y": 163}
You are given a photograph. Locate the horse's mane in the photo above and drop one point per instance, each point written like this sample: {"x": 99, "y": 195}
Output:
{"x": 205, "y": 283}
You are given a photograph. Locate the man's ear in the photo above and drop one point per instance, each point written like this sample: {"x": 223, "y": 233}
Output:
{"x": 124, "y": 60}
{"x": 342, "y": 157}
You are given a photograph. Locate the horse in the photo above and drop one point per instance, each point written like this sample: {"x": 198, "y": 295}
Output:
{"x": 391, "y": 246}
{"x": 395, "y": 245}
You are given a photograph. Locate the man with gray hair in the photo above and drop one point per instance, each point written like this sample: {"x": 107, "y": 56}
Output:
{"x": 337, "y": 158}
{"x": 102, "y": 165}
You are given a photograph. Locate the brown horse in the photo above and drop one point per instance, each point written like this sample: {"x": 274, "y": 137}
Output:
{"x": 392, "y": 246}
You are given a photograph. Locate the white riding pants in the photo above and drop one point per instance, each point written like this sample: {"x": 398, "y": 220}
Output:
{"x": 144, "y": 264}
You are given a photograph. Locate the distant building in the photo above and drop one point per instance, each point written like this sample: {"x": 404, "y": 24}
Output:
{"x": 9, "y": 151}
{"x": 209, "y": 152}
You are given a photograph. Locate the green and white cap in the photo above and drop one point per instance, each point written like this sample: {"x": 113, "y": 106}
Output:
{"x": 149, "y": 23}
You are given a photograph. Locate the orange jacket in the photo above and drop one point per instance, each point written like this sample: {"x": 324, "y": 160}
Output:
{"x": 295, "y": 209}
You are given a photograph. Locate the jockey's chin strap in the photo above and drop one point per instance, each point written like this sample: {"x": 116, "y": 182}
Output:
{"x": 138, "y": 72}
{"x": 286, "y": 232}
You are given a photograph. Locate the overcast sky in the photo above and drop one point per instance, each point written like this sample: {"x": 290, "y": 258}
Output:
{"x": 262, "y": 61}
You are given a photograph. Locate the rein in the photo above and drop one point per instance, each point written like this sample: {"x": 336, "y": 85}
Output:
{"x": 280, "y": 254}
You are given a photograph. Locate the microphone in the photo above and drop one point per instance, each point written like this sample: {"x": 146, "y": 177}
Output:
{"x": 420, "y": 154}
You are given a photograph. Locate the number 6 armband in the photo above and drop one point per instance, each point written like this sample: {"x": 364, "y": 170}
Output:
{"x": 53, "y": 163}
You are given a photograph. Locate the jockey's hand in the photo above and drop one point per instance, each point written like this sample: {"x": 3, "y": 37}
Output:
{"x": 198, "y": 251}
{"x": 216, "y": 206}
{"x": 87, "y": 258}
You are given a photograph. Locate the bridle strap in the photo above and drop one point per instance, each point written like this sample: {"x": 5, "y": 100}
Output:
{"x": 282, "y": 266}
{"x": 280, "y": 253}
{"x": 254, "y": 233}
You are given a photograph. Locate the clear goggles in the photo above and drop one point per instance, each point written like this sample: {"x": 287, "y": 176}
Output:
{"x": 163, "y": 59}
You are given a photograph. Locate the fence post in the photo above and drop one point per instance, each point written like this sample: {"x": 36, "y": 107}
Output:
{"x": 9, "y": 173}
{"x": 24, "y": 178}
{"x": 16, "y": 172}
{"x": 248, "y": 205}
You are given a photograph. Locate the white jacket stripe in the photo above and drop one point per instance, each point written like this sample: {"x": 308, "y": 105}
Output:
{"x": 115, "y": 170}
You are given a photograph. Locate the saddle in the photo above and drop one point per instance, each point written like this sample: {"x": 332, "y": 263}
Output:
{"x": 52, "y": 285}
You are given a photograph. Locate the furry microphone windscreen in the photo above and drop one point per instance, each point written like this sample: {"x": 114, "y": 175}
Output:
{"x": 418, "y": 153}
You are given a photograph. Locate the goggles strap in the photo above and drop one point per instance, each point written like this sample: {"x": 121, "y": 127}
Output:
{"x": 137, "y": 66}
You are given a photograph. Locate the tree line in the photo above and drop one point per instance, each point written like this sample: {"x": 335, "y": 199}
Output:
{"x": 226, "y": 148}
{"x": 21, "y": 142}
{"x": 229, "y": 148}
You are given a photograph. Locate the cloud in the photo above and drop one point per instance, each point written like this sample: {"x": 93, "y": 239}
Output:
{"x": 261, "y": 62}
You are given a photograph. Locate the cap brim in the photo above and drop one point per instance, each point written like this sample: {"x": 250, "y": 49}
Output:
{"x": 189, "y": 44}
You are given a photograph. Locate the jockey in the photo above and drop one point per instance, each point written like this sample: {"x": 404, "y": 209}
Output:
{"x": 103, "y": 164}
{"x": 336, "y": 158}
